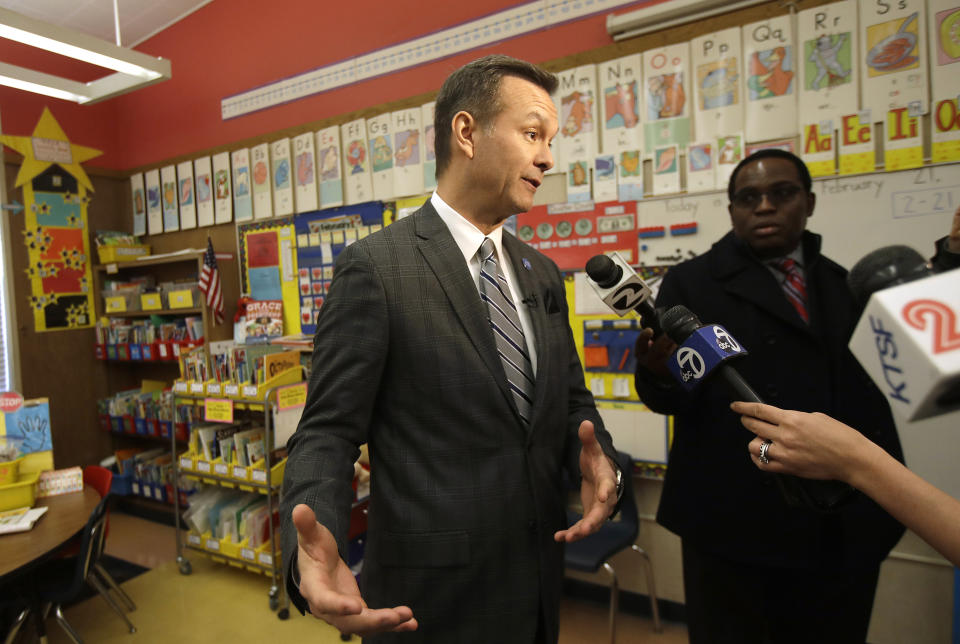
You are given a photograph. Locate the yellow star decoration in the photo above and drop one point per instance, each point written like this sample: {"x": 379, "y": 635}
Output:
{"x": 48, "y": 135}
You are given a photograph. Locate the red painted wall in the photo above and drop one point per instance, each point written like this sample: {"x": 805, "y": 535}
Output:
{"x": 230, "y": 46}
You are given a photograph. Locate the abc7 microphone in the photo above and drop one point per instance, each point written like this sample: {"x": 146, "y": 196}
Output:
{"x": 908, "y": 336}
{"x": 620, "y": 288}
{"x": 702, "y": 351}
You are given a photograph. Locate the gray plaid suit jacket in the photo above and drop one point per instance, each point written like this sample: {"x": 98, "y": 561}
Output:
{"x": 464, "y": 499}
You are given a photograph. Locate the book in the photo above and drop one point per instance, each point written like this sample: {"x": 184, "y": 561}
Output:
{"x": 20, "y": 520}
{"x": 276, "y": 363}
{"x": 264, "y": 320}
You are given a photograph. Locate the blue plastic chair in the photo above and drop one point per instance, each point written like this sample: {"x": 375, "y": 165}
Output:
{"x": 595, "y": 551}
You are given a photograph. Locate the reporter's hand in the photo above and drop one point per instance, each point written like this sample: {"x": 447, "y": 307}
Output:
{"x": 329, "y": 588}
{"x": 598, "y": 487}
{"x": 652, "y": 355}
{"x": 813, "y": 446}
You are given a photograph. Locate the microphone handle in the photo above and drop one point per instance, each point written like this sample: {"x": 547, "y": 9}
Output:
{"x": 649, "y": 318}
{"x": 738, "y": 386}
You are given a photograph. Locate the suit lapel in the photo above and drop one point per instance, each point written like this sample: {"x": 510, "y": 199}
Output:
{"x": 444, "y": 258}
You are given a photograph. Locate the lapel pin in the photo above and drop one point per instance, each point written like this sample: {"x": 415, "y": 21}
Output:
{"x": 526, "y": 264}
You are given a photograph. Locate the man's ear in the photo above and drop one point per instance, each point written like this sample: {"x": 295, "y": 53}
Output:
{"x": 811, "y": 203}
{"x": 464, "y": 128}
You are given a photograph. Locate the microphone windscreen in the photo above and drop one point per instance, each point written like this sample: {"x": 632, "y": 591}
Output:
{"x": 603, "y": 270}
{"x": 679, "y": 322}
{"x": 882, "y": 268}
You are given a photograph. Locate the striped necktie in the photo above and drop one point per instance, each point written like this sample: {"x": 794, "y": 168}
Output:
{"x": 507, "y": 332}
{"x": 794, "y": 286}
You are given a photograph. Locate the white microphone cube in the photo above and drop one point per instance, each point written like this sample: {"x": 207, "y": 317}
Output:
{"x": 908, "y": 341}
{"x": 627, "y": 293}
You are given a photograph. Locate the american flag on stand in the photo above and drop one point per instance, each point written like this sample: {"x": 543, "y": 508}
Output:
{"x": 209, "y": 283}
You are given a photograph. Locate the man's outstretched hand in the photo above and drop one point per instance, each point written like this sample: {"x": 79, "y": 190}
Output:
{"x": 598, "y": 487}
{"x": 329, "y": 588}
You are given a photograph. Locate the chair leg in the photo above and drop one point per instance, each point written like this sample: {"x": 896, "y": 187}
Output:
{"x": 96, "y": 583}
{"x": 15, "y": 627}
{"x": 105, "y": 576}
{"x": 65, "y": 625}
{"x": 614, "y": 600}
{"x": 651, "y": 588}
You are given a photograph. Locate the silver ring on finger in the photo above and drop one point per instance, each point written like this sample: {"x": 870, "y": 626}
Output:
{"x": 764, "y": 448}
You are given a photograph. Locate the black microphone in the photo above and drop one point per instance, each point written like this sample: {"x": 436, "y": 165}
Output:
{"x": 620, "y": 288}
{"x": 680, "y": 323}
{"x": 883, "y": 268}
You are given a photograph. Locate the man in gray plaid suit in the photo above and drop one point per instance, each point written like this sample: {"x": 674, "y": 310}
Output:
{"x": 458, "y": 368}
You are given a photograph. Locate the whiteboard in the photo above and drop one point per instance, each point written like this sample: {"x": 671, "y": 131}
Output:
{"x": 855, "y": 215}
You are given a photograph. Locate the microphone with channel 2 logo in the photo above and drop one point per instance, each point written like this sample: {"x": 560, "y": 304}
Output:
{"x": 704, "y": 349}
{"x": 620, "y": 288}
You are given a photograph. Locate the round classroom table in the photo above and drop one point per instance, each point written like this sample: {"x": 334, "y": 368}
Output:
{"x": 65, "y": 518}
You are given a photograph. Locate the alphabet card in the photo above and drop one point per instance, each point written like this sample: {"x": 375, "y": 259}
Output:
{"x": 666, "y": 169}
{"x": 819, "y": 148}
{"x": 380, "y": 146}
{"x": 829, "y": 82}
{"x": 203, "y": 178}
{"x": 666, "y": 73}
{"x": 305, "y": 191}
{"x": 856, "y": 149}
{"x": 186, "y": 196}
{"x": 893, "y": 55}
{"x": 429, "y": 148}
{"x": 407, "y": 155}
{"x": 242, "y": 197}
{"x": 903, "y": 140}
{"x": 701, "y": 167}
{"x": 729, "y": 153}
{"x": 222, "y": 200}
{"x": 329, "y": 175}
{"x": 717, "y": 84}
{"x": 944, "y": 23}
{"x": 578, "y": 136}
{"x": 139, "y": 196}
{"x": 168, "y": 196}
{"x": 769, "y": 65}
{"x": 280, "y": 173}
{"x": 154, "y": 205}
{"x": 262, "y": 195}
{"x": 620, "y": 83}
{"x": 630, "y": 175}
{"x": 604, "y": 178}
{"x": 357, "y": 178}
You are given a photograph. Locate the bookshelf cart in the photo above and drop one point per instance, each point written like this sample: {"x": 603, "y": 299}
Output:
{"x": 285, "y": 391}
{"x": 130, "y": 363}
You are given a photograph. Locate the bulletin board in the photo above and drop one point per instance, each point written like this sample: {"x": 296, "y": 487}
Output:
{"x": 268, "y": 266}
{"x": 320, "y": 237}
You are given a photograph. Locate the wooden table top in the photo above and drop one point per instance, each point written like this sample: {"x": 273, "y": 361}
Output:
{"x": 65, "y": 518}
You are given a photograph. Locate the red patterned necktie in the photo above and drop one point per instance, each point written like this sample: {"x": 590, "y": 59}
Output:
{"x": 794, "y": 286}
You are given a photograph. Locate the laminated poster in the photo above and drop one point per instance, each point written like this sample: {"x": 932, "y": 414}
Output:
{"x": 407, "y": 155}
{"x": 262, "y": 194}
{"x": 577, "y": 92}
{"x": 429, "y": 150}
{"x": 186, "y": 195}
{"x": 666, "y": 87}
{"x": 856, "y": 149}
{"x": 139, "y": 197}
{"x": 242, "y": 197}
{"x": 280, "y": 178}
{"x": 357, "y": 178}
{"x": 305, "y": 170}
{"x": 944, "y": 22}
{"x": 620, "y": 81}
{"x": 154, "y": 205}
{"x": 666, "y": 170}
{"x": 893, "y": 55}
{"x": 168, "y": 198}
{"x": 818, "y": 148}
{"x": 222, "y": 200}
{"x": 903, "y": 140}
{"x": 701, "y": 167}
{"x": 203, "y": 177}
{"x": 717, "y": 84}
{"x": 829, "y": 80}
{"x": 328, "y": 167}
{"x": 578, "y": 181}
{"x": 769, "y": 74}
{"x": 605, "y": 178}
{"x": 630, "y": 175}
{"x": 380, "y": 147}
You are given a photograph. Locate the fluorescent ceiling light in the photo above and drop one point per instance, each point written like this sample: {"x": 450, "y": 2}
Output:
{"x": 133, "y": 68}
{"x": 668, "y": 14}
